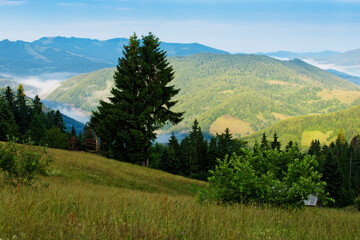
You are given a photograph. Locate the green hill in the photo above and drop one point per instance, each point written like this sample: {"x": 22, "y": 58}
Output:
{"x": 304, "y": 129}
{"x": 243, "y": 92}
{"x": 91, "y": 197}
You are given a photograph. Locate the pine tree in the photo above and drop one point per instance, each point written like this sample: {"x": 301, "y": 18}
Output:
{"x": 225, "y": 143}
{"x": 264, "y": 142}
{"x": 212, "y": 154}
{"x": 341, "y": 140}
{"x": 37, "y": 106}
{"x": 73, "y": 132}
{"x": 10, "y": 99}
{"x": 174, "y": 154}
{"x": 275, "y": 144}
{"x": 315, "y": 148}
{"x": 22, "y": 115}
{"x": 59, "y": 123}
{"x": 334, "y": 178}
{"x": 8, "y": 126}
{"x": 89, "y": 143}
{"x": 197, "y": 156}
{"x": 37, "y": 126}
{"x": 140, "y": 102}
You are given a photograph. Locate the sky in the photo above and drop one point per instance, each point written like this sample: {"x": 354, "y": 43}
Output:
{"x": 243, "y": 26}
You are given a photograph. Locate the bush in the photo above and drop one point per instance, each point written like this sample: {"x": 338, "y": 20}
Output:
{"x": 21, "y": 163}
{"x": 266, "y": 176}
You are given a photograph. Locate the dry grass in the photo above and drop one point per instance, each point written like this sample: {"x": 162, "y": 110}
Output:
{"x": 235, "y": 125}
{"x": 343, "y": 96}
{"x": 90, "y": 197}
{"x": 274, "y": 82}
{"x": 308, "y": 136}
{"x": 227, "y": 91}
{"x": 280, "y": 116}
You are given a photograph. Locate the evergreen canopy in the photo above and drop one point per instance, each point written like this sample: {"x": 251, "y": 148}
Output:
{"x": 140, "y": 101}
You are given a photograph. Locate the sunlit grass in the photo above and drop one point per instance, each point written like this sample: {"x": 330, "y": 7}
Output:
{"x": 90, "y": 197}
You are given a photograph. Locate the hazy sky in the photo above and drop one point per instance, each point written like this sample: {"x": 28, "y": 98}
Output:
{"x": 234, "y": 26}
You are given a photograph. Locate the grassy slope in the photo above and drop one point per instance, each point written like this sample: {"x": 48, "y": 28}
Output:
{"x": 90, "y": 197}
{"x": 304, "y": 129}
{"x": 241, "y": 86}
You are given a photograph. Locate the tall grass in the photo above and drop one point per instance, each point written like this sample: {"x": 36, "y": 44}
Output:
{"x": 89, "y": 197}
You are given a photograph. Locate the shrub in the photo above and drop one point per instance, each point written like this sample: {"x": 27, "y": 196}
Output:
{"x": 266, "y": 176}
{"x": 20, "y": 163}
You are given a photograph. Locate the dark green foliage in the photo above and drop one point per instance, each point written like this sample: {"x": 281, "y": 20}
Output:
{"x": 10, "y": 99}
{"x": 198, "y": 148}
{"x": 8, "y": 125}
{"x": 37, "y": 128}
{"x": 140, "y": 103}
{"x": 264, "y": 143}
{"x": 73, "y": 132}
{"x": 275, "y": 144}
{"x": 59, "y": 123}
{"x": 263, "y": 178}
{"x": 55, "y": 138}
{"x": 22, "y": 114}
{"x": 90, "y": 139}
{"x": 315, "y": 147}
{"x": 21, "y": 163}
{"x": 334, "y": 178}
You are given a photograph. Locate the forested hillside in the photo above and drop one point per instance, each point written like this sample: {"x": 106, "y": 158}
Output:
{"x": 304, "y": 129}
{"x": 243, "y": 92}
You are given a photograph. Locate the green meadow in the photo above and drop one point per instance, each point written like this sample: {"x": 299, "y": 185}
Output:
{"x": 87, "y": 196}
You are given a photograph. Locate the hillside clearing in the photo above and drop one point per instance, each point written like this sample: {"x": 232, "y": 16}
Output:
{"x": 91, "y": 197}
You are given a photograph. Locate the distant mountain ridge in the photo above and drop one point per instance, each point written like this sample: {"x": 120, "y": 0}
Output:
{"x": 243, "y": 92}
{"x": 292, "y": 55}
{"x": 74, "y": 55}
{"x": 347, "y": 62}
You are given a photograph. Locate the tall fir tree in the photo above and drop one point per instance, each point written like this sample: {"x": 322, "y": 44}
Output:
{"x": 141, "y": 101}
{"x": 8, "y": 126}
{"x": 22, "y": 114}
{"x": 59, "y": 122}
{"x": 264, "y": 143}
{"x": 198, "y": 149}
{"x": 275, "y": 144}
{"x": 10, "y": 99}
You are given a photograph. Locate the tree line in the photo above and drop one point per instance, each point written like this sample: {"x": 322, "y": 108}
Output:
{"x": 24, "y": 118}
{"x": 339, "y": 164}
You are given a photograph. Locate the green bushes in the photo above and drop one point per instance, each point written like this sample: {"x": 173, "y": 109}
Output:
{"x": 265, "y": 176}
{"x": 21, "y": 163}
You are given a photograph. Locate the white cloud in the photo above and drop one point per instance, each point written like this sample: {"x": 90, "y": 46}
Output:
{"x": 11, "y": 3}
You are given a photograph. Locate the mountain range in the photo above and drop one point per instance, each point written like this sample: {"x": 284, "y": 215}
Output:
{"x": 74, "y": 55}
{"x": 243, "y": 92}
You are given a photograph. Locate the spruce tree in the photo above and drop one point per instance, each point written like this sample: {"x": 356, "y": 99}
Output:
{"x": 174, "y": 154}
{"x": 22, "y": 114}
{"x": 264, "y": 143}
{"x": 197, "y": 157}
{"x": 73, "y": 132}
{"x": 8, "y": 126}
{"x": 275, "y": 144}
{"x": 141, "y": 101}
{"x": 59, "y": 123}
{"x": 10, "y": 99}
